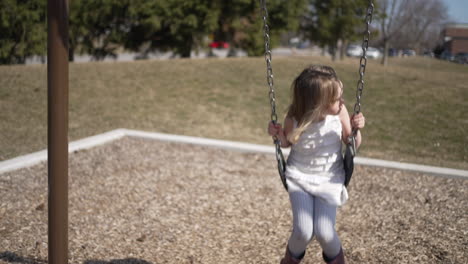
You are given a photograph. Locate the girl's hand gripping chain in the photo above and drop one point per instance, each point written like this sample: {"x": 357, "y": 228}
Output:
{"x": 358, "y": 121}
{"x": 275, "y": 130}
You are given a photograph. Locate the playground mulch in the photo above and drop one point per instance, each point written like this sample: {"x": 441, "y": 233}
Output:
{"x": 143, "y": 201}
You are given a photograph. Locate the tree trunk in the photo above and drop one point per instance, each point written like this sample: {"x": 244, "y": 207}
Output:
{"x": 71, "y": 53}
{"x": 343, "y": 49}
{"x": 385, "y": 53}
{"x": 186, "y": 49}
{"x": 324, "y": 50}
{"x": 334, "y": 52}
{"x": 337, "y": 51}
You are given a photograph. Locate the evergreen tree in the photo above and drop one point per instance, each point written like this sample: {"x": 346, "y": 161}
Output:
{"x": 334, "y": 23}
{"x": 181, "y": 25}
{"x": 175, "y": 25}
{"x": 101, "y": 27}
{"x": 22, "y": 30}
{"x": 98, "y": 27}
{"x": 241, "y": 22}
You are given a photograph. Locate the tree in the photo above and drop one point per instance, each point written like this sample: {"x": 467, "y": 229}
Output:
{"x": 23, "y": 30}
{"x": 176, "y": 25}
{"x": 101, "y": 27}
{"x": 333, "y": 23}
{"x": 423, "y": 28}
{"x": 98, "y": 27}
{"x": 392, "y": 18}
{"x": 181, "y": 25}
{"x": 241, "y": 22}
{"x": 406, "y": 23}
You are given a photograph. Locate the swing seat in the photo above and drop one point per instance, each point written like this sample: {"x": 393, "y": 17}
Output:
{"x": 348, "y": 164}
{"x": 281, "y": 164}
{"x": 348, "y": 159}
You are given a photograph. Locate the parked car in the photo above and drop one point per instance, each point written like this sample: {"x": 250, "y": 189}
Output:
{"x": 445, "y": 55}
{"x": 373, "y": 53}
{"x": 219, "y": 45}
{"x": 392, "y": 52}
{"x": 428, "y": 53}
{"x": 356, "y": 51}
{"x": 409, "y": 53}
{"x": 462, "y": 58}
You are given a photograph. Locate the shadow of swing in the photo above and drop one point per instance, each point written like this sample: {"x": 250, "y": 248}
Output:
{"x": 118, "y": 261}
{"x": 12, "y": 257}
{"x": 9, "y": 256}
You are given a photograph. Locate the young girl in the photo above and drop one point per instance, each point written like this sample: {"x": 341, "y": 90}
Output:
{"x": 315, "y": 125}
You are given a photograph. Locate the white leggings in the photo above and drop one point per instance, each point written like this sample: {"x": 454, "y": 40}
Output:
{"x": 312, "y": 217}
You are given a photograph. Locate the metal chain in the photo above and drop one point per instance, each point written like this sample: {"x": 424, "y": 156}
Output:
{"x": 274, "y": 117}
{"x": 266, "y": 35}
{"x": 362, "y": 71}
{"x": 363, "y": 61}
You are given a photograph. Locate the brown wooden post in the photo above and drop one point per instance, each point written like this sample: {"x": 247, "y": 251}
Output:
{"x": 57, "y": 129}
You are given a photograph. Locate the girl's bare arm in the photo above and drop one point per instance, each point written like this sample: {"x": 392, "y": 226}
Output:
{"x": 347, "y": 128}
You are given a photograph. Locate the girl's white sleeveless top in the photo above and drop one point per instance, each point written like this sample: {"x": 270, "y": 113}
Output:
{"x": 315, "y": 162}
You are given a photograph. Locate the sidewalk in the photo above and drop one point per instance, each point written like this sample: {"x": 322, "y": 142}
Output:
{"x": 220, "y": 53}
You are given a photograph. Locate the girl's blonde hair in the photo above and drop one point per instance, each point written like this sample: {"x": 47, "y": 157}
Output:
{"x": 312, "y": 92}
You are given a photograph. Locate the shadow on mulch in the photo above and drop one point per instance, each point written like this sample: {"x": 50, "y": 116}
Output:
{"x": 9, "y": 256}
{"x": 118, "y": 261}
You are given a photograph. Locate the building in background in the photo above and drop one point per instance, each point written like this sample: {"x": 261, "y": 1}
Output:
{"x": 455, "y": 38}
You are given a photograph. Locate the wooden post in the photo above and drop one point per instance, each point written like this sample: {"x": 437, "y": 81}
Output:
{"x": 57, "y": 129}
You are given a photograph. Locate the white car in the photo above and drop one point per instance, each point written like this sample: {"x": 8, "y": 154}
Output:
{"x": 356, "y": 51}
{"x": 373, "y": 53}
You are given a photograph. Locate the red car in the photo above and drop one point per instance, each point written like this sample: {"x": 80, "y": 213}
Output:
{"x": 219, "y": 45}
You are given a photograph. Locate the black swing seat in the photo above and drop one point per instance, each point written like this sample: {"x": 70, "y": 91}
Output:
{"x": 281, "y": 164}
{"x": 348, "y": 160}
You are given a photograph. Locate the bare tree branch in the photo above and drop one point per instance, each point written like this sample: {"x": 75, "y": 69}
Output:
{"x": 407, "y": 23}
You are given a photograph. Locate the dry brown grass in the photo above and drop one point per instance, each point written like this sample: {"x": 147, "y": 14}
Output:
{"x": 415, "y": 108}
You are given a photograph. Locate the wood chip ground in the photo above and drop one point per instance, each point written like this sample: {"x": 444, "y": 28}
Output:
{"x": 142, "y": 201}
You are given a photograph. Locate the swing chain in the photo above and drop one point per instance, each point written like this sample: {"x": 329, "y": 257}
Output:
{"x": 266, "y": 35}
{"x": 274, "y": 117}
{"x": 362, "y": 71}
{"x": 363, "y": 61}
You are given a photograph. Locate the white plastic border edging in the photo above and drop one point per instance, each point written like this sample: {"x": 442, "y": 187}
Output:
{"x": 37, "y": 157}
{"x": 34, "y": 158}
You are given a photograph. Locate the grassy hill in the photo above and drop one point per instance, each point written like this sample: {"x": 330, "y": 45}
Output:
{"x": 415, "y": 107}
